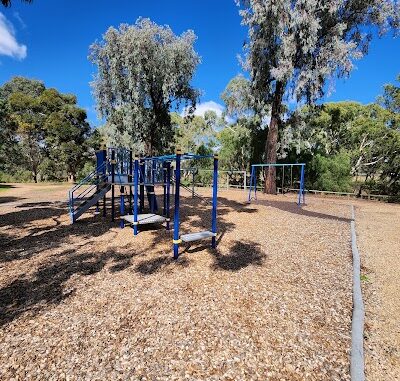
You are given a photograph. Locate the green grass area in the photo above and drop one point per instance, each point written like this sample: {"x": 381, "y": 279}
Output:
{"x": 4, "y": 187}
{"x": 364, "y": 278}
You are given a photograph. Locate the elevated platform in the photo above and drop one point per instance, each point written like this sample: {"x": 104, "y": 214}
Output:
{"x": 191, "y": 237}
{"x": 144, "y": 219}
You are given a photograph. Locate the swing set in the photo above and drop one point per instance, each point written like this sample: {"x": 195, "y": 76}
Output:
{"x": 254, "y": 178}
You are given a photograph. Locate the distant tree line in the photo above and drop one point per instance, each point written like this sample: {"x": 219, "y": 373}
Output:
{"x": 143, "y": 81}
{"x": 347, "y": 146}
{"x": 44, "y": 135}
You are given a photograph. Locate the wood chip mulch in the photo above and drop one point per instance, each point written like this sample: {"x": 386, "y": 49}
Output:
{"x": 91, "y": 301}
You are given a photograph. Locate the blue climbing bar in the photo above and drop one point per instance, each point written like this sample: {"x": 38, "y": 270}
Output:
{"x": 164, "y": 169}
{"x": 113, "y": 162}
{"x": 122, "y": 206}
{"x": 214, "y": 202}
{"x": 135, "y": 196}
{"x": 142, "y": 180}
{"x": 252, "y": 179}
{"x": 167, "y": 202}
{"x": 176, "y": 241}
{"x": 301, "y": 190}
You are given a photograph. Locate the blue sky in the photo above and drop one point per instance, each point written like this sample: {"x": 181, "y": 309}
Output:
{"x": 49, "y": 40}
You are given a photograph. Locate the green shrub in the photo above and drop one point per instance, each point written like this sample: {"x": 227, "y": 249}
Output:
{"x": 86, "y": 170}
{"x": 331, "y": 173}
{"x": 19, "y": 176}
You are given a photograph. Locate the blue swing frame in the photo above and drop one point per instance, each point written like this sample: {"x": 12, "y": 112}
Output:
{"x": 253, "y": 180}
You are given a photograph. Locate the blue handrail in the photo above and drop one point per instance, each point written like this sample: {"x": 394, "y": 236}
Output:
{"x": 93, "y": 179}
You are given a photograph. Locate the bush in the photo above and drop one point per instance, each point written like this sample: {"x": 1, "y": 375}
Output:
{"x": 331, "y": 173}
{"x": 86, "y": 170}
{"x": 19, "y": 176}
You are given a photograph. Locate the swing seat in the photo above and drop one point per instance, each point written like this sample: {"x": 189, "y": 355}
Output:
{"x": 191, "y": 237}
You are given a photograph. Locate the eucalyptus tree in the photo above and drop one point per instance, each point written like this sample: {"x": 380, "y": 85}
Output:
{"x": 143, "y": 71}
{"x": 295, "y": 48}
{"x": 45, "y": 127}
{"x": 390, "y": 100}
{"x": 240, "y": 139}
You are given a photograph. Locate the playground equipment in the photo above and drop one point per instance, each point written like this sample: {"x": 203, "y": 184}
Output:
{"x": 253, "y": 180}
{"x": 135, "y": 177}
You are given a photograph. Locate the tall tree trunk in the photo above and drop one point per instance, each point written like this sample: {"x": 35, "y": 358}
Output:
{"x": 272, "y": 139}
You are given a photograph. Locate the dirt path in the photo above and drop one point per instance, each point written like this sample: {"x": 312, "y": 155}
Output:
{"x": 90, "y": 300}
{"x": 378, "y": 229}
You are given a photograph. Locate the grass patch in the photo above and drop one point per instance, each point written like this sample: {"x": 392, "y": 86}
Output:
{"x": 4, "y": 187}
{"x": 364, "y": 278}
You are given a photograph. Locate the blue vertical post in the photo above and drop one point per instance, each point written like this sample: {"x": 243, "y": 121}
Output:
{"x": 304, "y": 183}
{"x": 142, "y": 180}
{"x": 168, "y": 193}
{"x": 176, "y": 241}
{"x": 99, "y": 163}
{"x": 122, "y": 206}
{"x": 301, "y": 190}
{"x": 130, "y": 177}
{"x": 135, "y": 196}
{"x": 101, "y": 169}
{"x": 251, "y": 181}
{"x": 112, "y": 185}
{"x": 214, "y": 202}
{"x": 255, "y": 183}
{"x": 164, "y": 168}
{"x": 152, "y": 193}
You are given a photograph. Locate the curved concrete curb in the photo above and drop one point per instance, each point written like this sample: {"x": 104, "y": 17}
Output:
{"x": 357, "y": 326}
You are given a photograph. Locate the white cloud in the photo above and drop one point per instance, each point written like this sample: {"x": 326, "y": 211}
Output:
{"x": 18, "y": 17}
{"x": 9, "y": 45}
{"x": 207, "y": 106}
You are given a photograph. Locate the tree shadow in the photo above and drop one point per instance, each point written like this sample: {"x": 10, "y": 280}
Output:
{"x": 8, "y": 199}
{"x": 154, "y": 265}
{"x": 52, "y": 236}
{"x": 241, "y": 255}
{"x": 292, "y": 207}
{"x": 61, "y": 204}
{"x": 46, "y": 286}
{"x": 6, "y": 186}
{"x": 20, "y": 218}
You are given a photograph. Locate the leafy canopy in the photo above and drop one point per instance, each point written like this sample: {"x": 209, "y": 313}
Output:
{"x": 143, "y": 70}
{"x": 304, "y": 43}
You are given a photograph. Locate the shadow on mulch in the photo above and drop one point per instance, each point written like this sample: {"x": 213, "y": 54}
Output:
{"x": 241, "y": 255}
{"x": 42, "y": 204}
{"x": 44, "y": 238}
{"x": 155, "y": 265}
{"x": 292, "y": 207}
{"x": 46, "y": 285}
{"x": 7, "y": 199}
{"x": 6, "y": 186}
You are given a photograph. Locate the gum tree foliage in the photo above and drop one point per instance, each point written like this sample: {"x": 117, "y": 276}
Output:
{"x": 295, "y": 47}
{"x": 390, "y": 100}
{"x": 192, "y": 132}
{"x": 240, "y": 140}
{"x": 143, "y": 71}
{"x": 328, "y": 135}
{"x": 8, "y": 142}
{"x": 46, "y": 130}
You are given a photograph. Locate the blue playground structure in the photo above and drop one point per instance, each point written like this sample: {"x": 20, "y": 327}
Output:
{"x": 253, "y": 179}
{"x": 136, "y": 177}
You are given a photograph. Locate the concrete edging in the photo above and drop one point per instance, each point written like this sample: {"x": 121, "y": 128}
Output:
{"x": 357, "y": 325}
